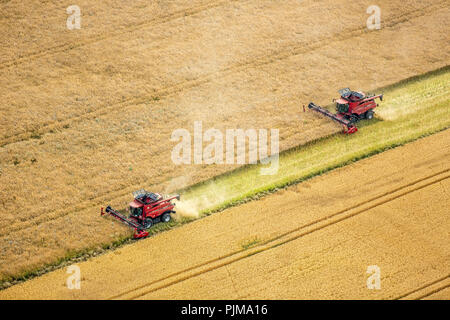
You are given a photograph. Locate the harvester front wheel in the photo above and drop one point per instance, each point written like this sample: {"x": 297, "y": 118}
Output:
{"x": 166, "y": 217}
{"x": 148, "y": 223}
{"x": 369, "y": 115}
{"x": 353, "y": 119}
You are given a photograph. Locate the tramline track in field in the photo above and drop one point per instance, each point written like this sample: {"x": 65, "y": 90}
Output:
{"x": 142, "y": 25}
{"x": 427, "y": 289}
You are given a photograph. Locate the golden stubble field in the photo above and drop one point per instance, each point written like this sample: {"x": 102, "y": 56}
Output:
{"x": 308, "y": 241}
{"x": 86, "y": 115}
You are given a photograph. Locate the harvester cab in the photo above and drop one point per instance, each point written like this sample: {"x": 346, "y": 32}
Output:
{"x": 146, "y": 209}
{"x": 351, "y": 107}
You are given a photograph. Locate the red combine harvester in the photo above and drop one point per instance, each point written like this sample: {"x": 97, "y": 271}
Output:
{"x": 146, "y": 209}
{"x": 351, "y": 107}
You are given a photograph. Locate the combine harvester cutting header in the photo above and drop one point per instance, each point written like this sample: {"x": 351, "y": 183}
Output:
{"x": 351, "y": 107}
{"x": 146, "y": 209}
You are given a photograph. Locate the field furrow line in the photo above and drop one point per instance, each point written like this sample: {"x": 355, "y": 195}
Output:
{"x": 142, "y": 25}
{"x": 426, "y": 286}
{"x": 433, "y": 292}
{"x": 253, "y": 63}
{"x": 283, "y": 239}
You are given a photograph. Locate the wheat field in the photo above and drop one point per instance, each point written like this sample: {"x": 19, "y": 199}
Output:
{"x": 86, "y": 115}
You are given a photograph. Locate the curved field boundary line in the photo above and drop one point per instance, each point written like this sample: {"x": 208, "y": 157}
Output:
{"x": 268, "y": 244}
{"x": 138, "y": 26}
{"x": 282, "y": 54}
{"x": 425, "y": 287}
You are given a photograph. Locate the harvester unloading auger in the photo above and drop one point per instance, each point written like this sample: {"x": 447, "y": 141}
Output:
{"x": 146, "y": 209}
{"x": 351, "y": 107}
